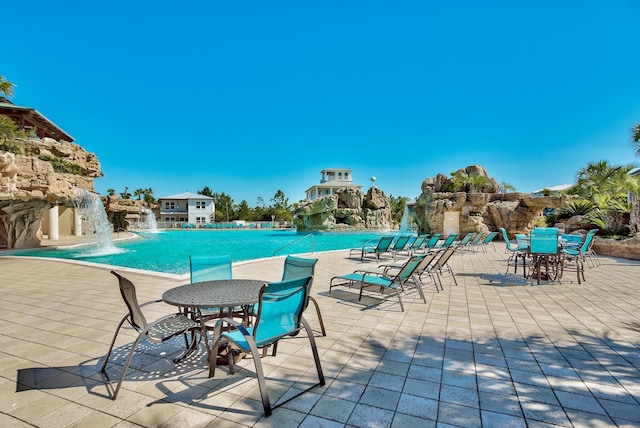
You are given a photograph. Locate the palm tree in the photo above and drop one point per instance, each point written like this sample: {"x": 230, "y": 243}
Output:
{"x": 139, "y": 193}
{"x": 506, "y": 187}
{"x": 6, "y": 87}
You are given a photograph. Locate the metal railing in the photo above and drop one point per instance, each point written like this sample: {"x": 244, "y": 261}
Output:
{"x": 296, "y": 241}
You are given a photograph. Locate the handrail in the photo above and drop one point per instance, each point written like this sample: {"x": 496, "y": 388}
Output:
{"x": 296, "y": 241}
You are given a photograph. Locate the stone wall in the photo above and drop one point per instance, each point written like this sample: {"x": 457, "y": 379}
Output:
{"x": 29, "y": 186}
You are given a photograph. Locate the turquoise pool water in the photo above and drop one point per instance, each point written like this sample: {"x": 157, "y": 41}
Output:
{"x": 168, "y": 251}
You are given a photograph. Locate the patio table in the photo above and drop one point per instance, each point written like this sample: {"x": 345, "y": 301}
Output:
{"x": 221, "y": 293}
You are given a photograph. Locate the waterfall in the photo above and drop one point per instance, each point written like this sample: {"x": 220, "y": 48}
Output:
{"x": 94, "y": 221}
{"x": 149, "y": 222}
{"x": 405, "y": 225}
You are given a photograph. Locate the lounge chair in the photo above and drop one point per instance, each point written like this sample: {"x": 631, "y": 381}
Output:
{"x": 488, "y": 240}
{"x": 432, "y": 242}
{"x": 281, "y": 306}
{"x": 416, "y": 244}
{"x": 441, "y": 266}
{"x": 380, "y": 248}
{"x": 399, "y": 245}
{"x": 157, "y": 331}
{"x": 394, "y": 283}
{"x": 463, "y": 243}
{"x": 448, "y": 242}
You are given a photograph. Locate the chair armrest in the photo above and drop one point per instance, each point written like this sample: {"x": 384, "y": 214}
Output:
{"x": 372, "y": 272}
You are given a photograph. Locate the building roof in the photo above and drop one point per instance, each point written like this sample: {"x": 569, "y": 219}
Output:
{"x": 30, "y": 117}
{"x": 558, "y": 188}
{"x": 187, "y": 195}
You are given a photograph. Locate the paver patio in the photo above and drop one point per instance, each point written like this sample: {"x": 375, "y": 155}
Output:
{"x": 493, "y": 351}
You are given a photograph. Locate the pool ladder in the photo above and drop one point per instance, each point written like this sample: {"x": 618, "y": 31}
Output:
{"x": 295, "y": 242}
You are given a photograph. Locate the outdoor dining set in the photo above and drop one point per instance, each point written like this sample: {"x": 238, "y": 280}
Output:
{"x": 232, "y": 316}
{"x": 545, "y": 253}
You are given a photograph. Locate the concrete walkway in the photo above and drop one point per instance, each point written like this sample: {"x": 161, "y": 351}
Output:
{"x": 495, "y": 350}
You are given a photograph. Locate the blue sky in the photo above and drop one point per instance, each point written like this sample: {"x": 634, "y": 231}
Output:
{"x": 251, "y": 97}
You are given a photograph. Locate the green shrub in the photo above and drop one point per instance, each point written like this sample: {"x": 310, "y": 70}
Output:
{"x": 582, "y": 207}
{"x": 61, "y": 165}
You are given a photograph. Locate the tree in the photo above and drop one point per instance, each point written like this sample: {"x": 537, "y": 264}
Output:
{"x": 281, "y": 206}
{"x": 139, "y": 193}
{"x": 148, "y": 196}
{"x": 111, "y": 192}
{"x": 397, "y": 207}
{"x": 506, "y": 187}
{"x": 244, "y": 211}
{"x": 6, "y": 87}
{"x": 206, "y": 192}
{"x": 125, "y": 194}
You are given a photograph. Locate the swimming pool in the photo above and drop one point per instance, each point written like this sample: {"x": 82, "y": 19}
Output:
{"x": 168, "y": 251}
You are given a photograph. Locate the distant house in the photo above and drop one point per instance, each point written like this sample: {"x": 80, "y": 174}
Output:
{"x": 332, "y": 180}
{"x": 187, "y": 208}
{"x": 551, "y": 191}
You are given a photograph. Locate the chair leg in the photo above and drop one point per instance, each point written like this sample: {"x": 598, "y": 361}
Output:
{"x": 126, "y": 365}
{"x": 315, "y": 303}
{"x": 314, "y": 350}
{"x": 113, "y": 341}
{"x": 399, "y": 299}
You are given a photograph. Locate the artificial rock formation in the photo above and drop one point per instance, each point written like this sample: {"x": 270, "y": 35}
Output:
{"x": 479, "y": 212}
{"x": 29, "y": 186}
{"x": 348, "y": 209}
{"x": 117, "y": 210}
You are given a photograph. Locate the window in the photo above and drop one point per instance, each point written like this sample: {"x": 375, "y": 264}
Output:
{"x": 201, "y": 205}
{"x": 169, "y": 205}
{"x": 201, "y": 220}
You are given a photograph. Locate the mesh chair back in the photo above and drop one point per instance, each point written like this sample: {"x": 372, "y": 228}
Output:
{"x": 298, "y": 267}
{"x": 401, "y": 242}
{"x": 444, "y": 258}
{"x": 208, "y": 268}
{"x": 544, "y": 243}
{"x": 452, "y": 237}
{"x": 384, "y": 243}
{"x": 587, "y": 243}
{"x": 280, "y": 309}
{"x": 489, "y": 237}
{"x": 409, "y": 268}
{"x": 434, "y": 240}
{"x": 128, "y": 291}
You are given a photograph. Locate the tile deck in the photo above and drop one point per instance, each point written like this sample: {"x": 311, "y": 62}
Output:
{"x": 495, "y": 350}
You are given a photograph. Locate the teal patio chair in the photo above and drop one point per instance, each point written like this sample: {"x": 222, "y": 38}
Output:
{"x": 432, "y": 242}
{"x": 391, "y": 283}
{"x": 298, "y": 267}
{"x": 399, "y": 245}
{"x": 488, "y": 240}
{"x": 209, "y": 268}
{"x": 464, "y": 242}
{"x": 281, "y": 306}
{"x": 158, "y": 331}
{"x": 517, "y": 250}
{"x": 383, "y": 245}
{"x": 448, "y": 242}
{"x": 574, "y": 258}
{"x": 416, "y": 244}
{"x": 543, "y": 247}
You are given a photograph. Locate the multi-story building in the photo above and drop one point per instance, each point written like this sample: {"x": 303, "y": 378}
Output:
{"x": 187, "y": 208}
{"x": 332, "y": 180}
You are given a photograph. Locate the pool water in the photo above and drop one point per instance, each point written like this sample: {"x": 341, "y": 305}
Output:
{"x": 169, "y": 251}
